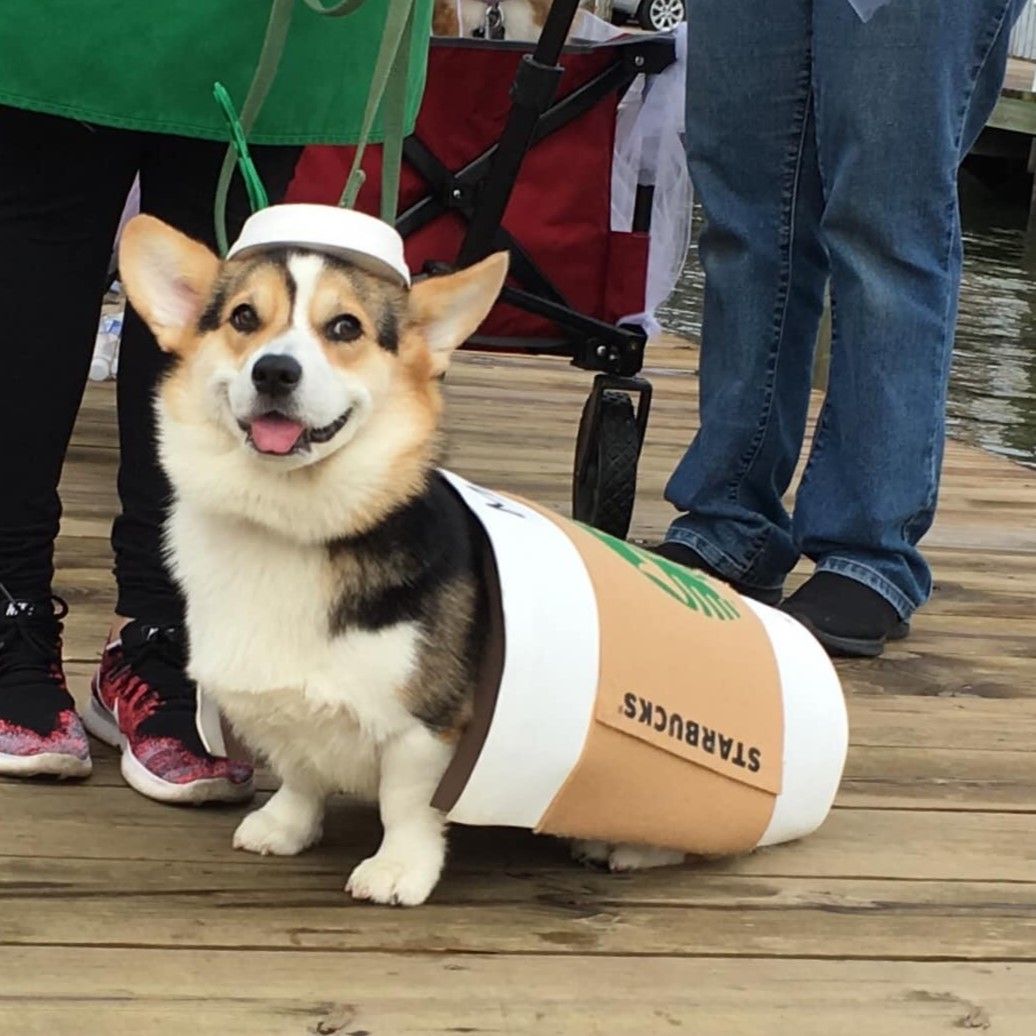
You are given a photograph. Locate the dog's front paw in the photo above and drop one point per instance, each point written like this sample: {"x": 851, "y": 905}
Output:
{"x": 388, "y": 879}
{"x": 269, "y": 832}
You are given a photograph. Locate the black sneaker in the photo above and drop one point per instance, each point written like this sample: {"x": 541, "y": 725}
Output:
{"x": 690, "y": 558}
{"x": 170, "y": 737}
{"x": 851, "y": 620}
{"x": 40, "y": 733}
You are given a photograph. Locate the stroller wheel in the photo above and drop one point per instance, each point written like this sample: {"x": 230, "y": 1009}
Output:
{"x": 607, "y": 452}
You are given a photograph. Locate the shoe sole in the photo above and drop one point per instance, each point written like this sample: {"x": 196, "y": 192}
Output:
{"x": 853, "y": 647}
{"x": 99, "y": 722}
{"x": 45, "y": 764}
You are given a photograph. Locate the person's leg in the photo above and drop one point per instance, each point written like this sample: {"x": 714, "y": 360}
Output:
{"x": 898, "y": 102}
{"x": 170, "y": 735}
{"x": 751, "y": 152}
{"x": 62, "y": 185}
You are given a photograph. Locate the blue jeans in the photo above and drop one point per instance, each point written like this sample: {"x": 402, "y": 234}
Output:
{"x": 825, "y": 150}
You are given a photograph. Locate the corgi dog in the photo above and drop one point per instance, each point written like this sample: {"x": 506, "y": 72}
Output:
{"x": 334, "y": 590}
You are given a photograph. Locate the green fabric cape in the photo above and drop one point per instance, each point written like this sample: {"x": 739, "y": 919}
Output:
{"x": 151, "y": 64}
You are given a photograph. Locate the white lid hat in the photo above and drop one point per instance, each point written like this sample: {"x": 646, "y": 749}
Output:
{"x": 372, "y": 245}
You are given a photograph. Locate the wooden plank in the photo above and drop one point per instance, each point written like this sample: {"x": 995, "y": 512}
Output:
{"x": 121, "y": 992}
{"x": 295, "y": 920}
{"x": 1020, "y": 74}
{"x": 950, "y": 722}
{"x": 937, "y": 669}
{"x": 508, "y": 868}
{"x": 1015, "y": 111}
{"x": 293, "y": 906}
{"x": 61, "y": 821}
{"x": 933, "y": 778}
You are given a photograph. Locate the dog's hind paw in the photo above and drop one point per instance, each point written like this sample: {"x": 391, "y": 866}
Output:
{"x": 393, "y": 881}
{"x": 642, "y": 857}
{"x": 592, "y": 854}
{"x": 618, "y": 858}
{"x": 269, "y": 833}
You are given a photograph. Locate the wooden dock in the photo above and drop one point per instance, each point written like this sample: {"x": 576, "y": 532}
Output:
{"x": 912, "y": 912}
{"x": 1016, "y": 110}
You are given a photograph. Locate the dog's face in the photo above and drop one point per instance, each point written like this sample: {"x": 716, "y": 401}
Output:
{"x": 300, "y": 350}
{"x": 295, "y": 350}
{"x": 291, "y": 359}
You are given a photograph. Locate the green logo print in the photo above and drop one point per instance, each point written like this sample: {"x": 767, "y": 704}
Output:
{"x": 686, "y": 586}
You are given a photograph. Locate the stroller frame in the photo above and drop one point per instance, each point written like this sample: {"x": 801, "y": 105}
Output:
{"x": 611, "y": 430}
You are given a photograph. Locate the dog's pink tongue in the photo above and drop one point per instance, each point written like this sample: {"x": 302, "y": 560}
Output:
{"x": 276, "y": 433}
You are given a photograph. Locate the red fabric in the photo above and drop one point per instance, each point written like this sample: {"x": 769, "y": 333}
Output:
{"x": 561, "y": 206}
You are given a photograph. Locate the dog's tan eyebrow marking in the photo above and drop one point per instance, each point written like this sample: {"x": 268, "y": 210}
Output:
{"x": 377, "y": 297}
{"x": 231, "y": 280}
{"x": 227, "y": 283}
{"x": 279, "y": 258}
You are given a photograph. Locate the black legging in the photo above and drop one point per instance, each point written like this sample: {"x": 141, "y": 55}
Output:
{"x": 63, "y": 185}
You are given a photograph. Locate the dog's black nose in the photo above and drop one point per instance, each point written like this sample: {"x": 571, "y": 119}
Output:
{"x": 276, "y": 374}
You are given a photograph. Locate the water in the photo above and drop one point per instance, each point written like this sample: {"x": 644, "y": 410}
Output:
{"x": 993, "y": 385}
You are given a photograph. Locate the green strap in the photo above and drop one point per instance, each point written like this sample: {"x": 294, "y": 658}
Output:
{"x": 265, "y": 73}
{"x": 388, "y": 92}
{"x": 389, "y": 83}
{"x": 335, "y": 10}
{"x": 393, "y": 115}
{"x": 257, "y": 195}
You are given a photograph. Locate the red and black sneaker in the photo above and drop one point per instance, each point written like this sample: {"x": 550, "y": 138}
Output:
{"x": 144, "y": 704}
{"x": 40, "y": 733}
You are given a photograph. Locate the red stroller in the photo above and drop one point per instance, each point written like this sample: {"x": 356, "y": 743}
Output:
{"x": 513, "y": 151}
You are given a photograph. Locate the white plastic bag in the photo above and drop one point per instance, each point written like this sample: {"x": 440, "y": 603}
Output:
{"x": 105, "y": 363}
{"x": 649, "y": 150}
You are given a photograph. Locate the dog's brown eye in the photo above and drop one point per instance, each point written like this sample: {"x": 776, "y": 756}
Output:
{"x": 344, "y": 328}
{"x": 244, "y": 319}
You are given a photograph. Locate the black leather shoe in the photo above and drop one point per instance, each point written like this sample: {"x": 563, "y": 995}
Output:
{"x": 851, "y": 620}
{"x": 690, "y": 558}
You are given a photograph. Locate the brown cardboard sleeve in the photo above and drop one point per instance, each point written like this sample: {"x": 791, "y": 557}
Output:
{"x": 685, "y": 747}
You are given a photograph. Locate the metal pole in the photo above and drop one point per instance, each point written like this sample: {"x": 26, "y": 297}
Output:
{"x": 534, "y": 89}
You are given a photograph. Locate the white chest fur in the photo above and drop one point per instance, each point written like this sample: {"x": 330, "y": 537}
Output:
{"x": 257, "y": 613}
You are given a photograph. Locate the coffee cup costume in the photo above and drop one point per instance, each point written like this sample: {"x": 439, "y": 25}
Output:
{"x": 628, "y": 699}
{"x": 622, "y": 697}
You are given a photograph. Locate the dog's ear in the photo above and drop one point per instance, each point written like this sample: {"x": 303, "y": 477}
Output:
{"x": 447, "y": 310}
{"x": 168, "y": 277}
